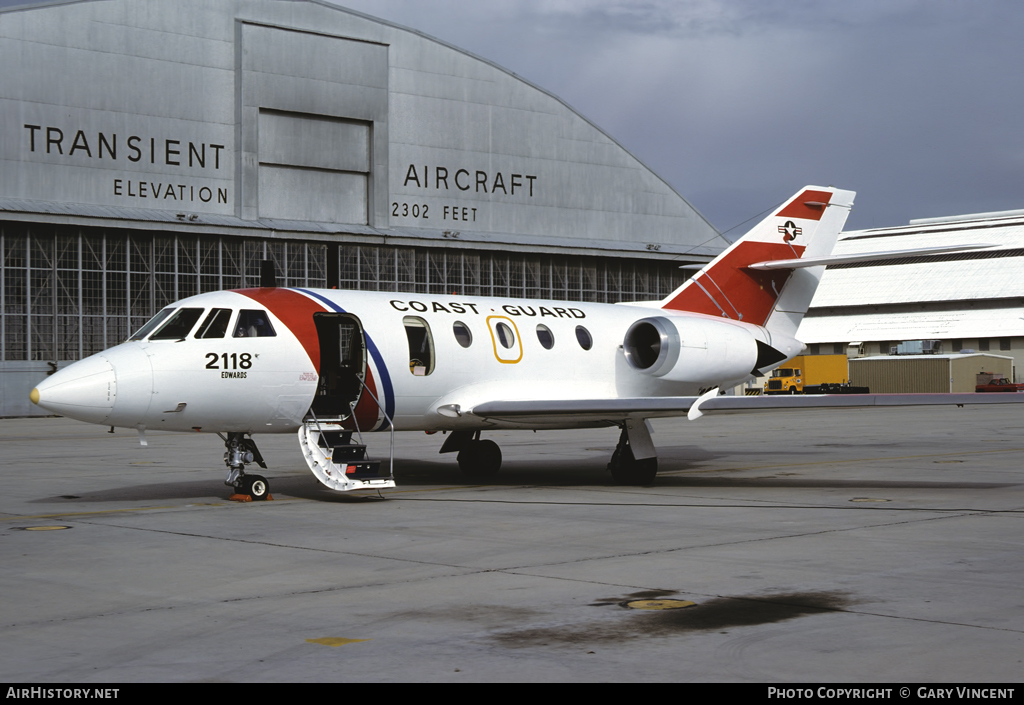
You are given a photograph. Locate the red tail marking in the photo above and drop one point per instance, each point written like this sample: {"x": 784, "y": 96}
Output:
{"x": 798, "y": 208}
{"x": 734, "y": 288}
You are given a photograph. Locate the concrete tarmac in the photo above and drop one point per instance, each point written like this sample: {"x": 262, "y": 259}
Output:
{"x": 880, "y": 545}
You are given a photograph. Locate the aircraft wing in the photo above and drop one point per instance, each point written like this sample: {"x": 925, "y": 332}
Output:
{"x": 659, "y": 407}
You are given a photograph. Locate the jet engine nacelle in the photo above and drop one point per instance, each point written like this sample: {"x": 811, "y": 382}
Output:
{"x": 690, "y": 349}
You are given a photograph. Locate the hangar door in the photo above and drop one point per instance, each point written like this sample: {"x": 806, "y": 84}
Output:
{"x": 314, "y": 125}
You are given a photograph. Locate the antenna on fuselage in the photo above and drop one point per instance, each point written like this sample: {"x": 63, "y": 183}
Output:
{"x": 268, "y": 274}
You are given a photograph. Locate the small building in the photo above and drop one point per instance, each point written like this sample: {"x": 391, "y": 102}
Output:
{"x": 925, "y": 374}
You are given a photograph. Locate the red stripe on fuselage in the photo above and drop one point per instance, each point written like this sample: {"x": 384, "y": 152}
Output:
{"x": 736, "y": 289}
{"x": 798, "y": 208}
{"x": 367, "y": 412}
{"x": 295, "y": 311}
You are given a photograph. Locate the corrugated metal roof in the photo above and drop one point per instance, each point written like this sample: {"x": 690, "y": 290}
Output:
{"x": 940, "y": 281}
{"x": 918, "y": 325}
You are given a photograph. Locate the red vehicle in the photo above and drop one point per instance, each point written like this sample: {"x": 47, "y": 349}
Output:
{"x": 999, "y": 384}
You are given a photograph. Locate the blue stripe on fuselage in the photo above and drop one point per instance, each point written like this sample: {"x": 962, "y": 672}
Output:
{"x": 378, "y": 360}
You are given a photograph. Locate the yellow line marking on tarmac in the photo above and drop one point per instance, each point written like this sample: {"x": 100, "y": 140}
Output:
{"x": 840, "y": 462}
{"x": 81, "y": 514}
{"x": 335, "y": 641}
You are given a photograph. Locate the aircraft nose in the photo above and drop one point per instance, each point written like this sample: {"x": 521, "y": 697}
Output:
{"x": 85, "y": 390}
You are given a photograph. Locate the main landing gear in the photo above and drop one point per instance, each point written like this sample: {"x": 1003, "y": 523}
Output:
{"x": 240, "y": 452}
{"x": 626, "y": 469}
{"x": 481, "y": 459}
{"x": 478, "y": 459}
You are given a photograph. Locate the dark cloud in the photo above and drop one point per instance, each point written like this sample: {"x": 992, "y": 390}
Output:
{"x": 914, "y": 104}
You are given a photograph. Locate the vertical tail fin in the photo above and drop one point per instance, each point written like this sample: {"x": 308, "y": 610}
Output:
{"x": 807, "y": 225}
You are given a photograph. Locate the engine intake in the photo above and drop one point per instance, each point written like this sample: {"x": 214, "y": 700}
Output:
{"x": 690, "y": 349}
{"x": 651, "y": 346}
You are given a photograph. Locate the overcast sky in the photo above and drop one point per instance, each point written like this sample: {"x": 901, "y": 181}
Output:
{"x": 915, "y": 104}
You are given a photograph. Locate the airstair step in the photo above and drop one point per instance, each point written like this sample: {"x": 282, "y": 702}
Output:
{"x": 337, "y": 462}
{"x": 334, "y": 438}
{"x": 353, "y": 451}
{"x": 362, "y": 469}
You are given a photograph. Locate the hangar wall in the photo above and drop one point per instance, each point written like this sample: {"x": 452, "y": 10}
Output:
{"x": 150, "y": 150}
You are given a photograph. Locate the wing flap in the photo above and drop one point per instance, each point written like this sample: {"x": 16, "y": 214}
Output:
{"x": 659, "y": 407}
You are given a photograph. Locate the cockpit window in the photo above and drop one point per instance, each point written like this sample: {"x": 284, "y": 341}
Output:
{"x": 215, "y": 325}
{"x": 153, "y": 323}
{"x": 253, "y": 324}
{"x": 179, "y": 325}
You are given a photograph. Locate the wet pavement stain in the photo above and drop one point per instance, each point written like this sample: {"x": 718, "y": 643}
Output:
{"x": 714, "y": 614}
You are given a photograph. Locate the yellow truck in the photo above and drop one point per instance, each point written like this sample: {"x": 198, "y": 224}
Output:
{"x": 813, "y": 374}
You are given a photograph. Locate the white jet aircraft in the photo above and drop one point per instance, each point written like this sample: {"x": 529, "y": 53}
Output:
{"x": 327, "y": 363}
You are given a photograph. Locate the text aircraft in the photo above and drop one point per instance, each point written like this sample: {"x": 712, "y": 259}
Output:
{"x": 327, "y": 363}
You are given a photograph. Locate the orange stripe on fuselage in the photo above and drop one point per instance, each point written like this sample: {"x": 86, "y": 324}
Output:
{"x": 737, "y": 289}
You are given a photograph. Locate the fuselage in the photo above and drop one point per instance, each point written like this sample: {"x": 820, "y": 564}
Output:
{"x": 259, "y": 360}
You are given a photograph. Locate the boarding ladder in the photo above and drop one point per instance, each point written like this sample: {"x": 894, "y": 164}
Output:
{"x": 339, "y": 463}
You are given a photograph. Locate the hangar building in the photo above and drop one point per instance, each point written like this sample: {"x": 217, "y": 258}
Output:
{"x": 154, "y": 150}
{"x": 965, "y": 301}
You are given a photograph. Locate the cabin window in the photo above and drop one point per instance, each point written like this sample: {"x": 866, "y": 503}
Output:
{"x": 253, "y": 324}
{"x": 215, "y": 325}
{"x": 583, "y": 336}
{"x": 505, "y": 335}
{"x": 179, "y": 325}
{"x": 462, "y": 334}
{"x": 546, "y": 337}
{"x": 421, "y": 346}
{"x": 153, "y": 323}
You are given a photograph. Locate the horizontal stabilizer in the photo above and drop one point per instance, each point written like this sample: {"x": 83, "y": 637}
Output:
{"x": 862, "y": 257}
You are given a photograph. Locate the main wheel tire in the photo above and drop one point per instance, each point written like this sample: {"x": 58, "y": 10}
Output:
{"x": 480, "y": 459}
{"x": 256, "y": 486}
{"x": 627, "y": 470}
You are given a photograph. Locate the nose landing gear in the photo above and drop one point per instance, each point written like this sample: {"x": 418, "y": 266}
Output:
{"x": 240, "y": 452}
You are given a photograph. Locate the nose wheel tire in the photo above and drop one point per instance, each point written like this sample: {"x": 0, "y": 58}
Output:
{"x": 256, "y": 486}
